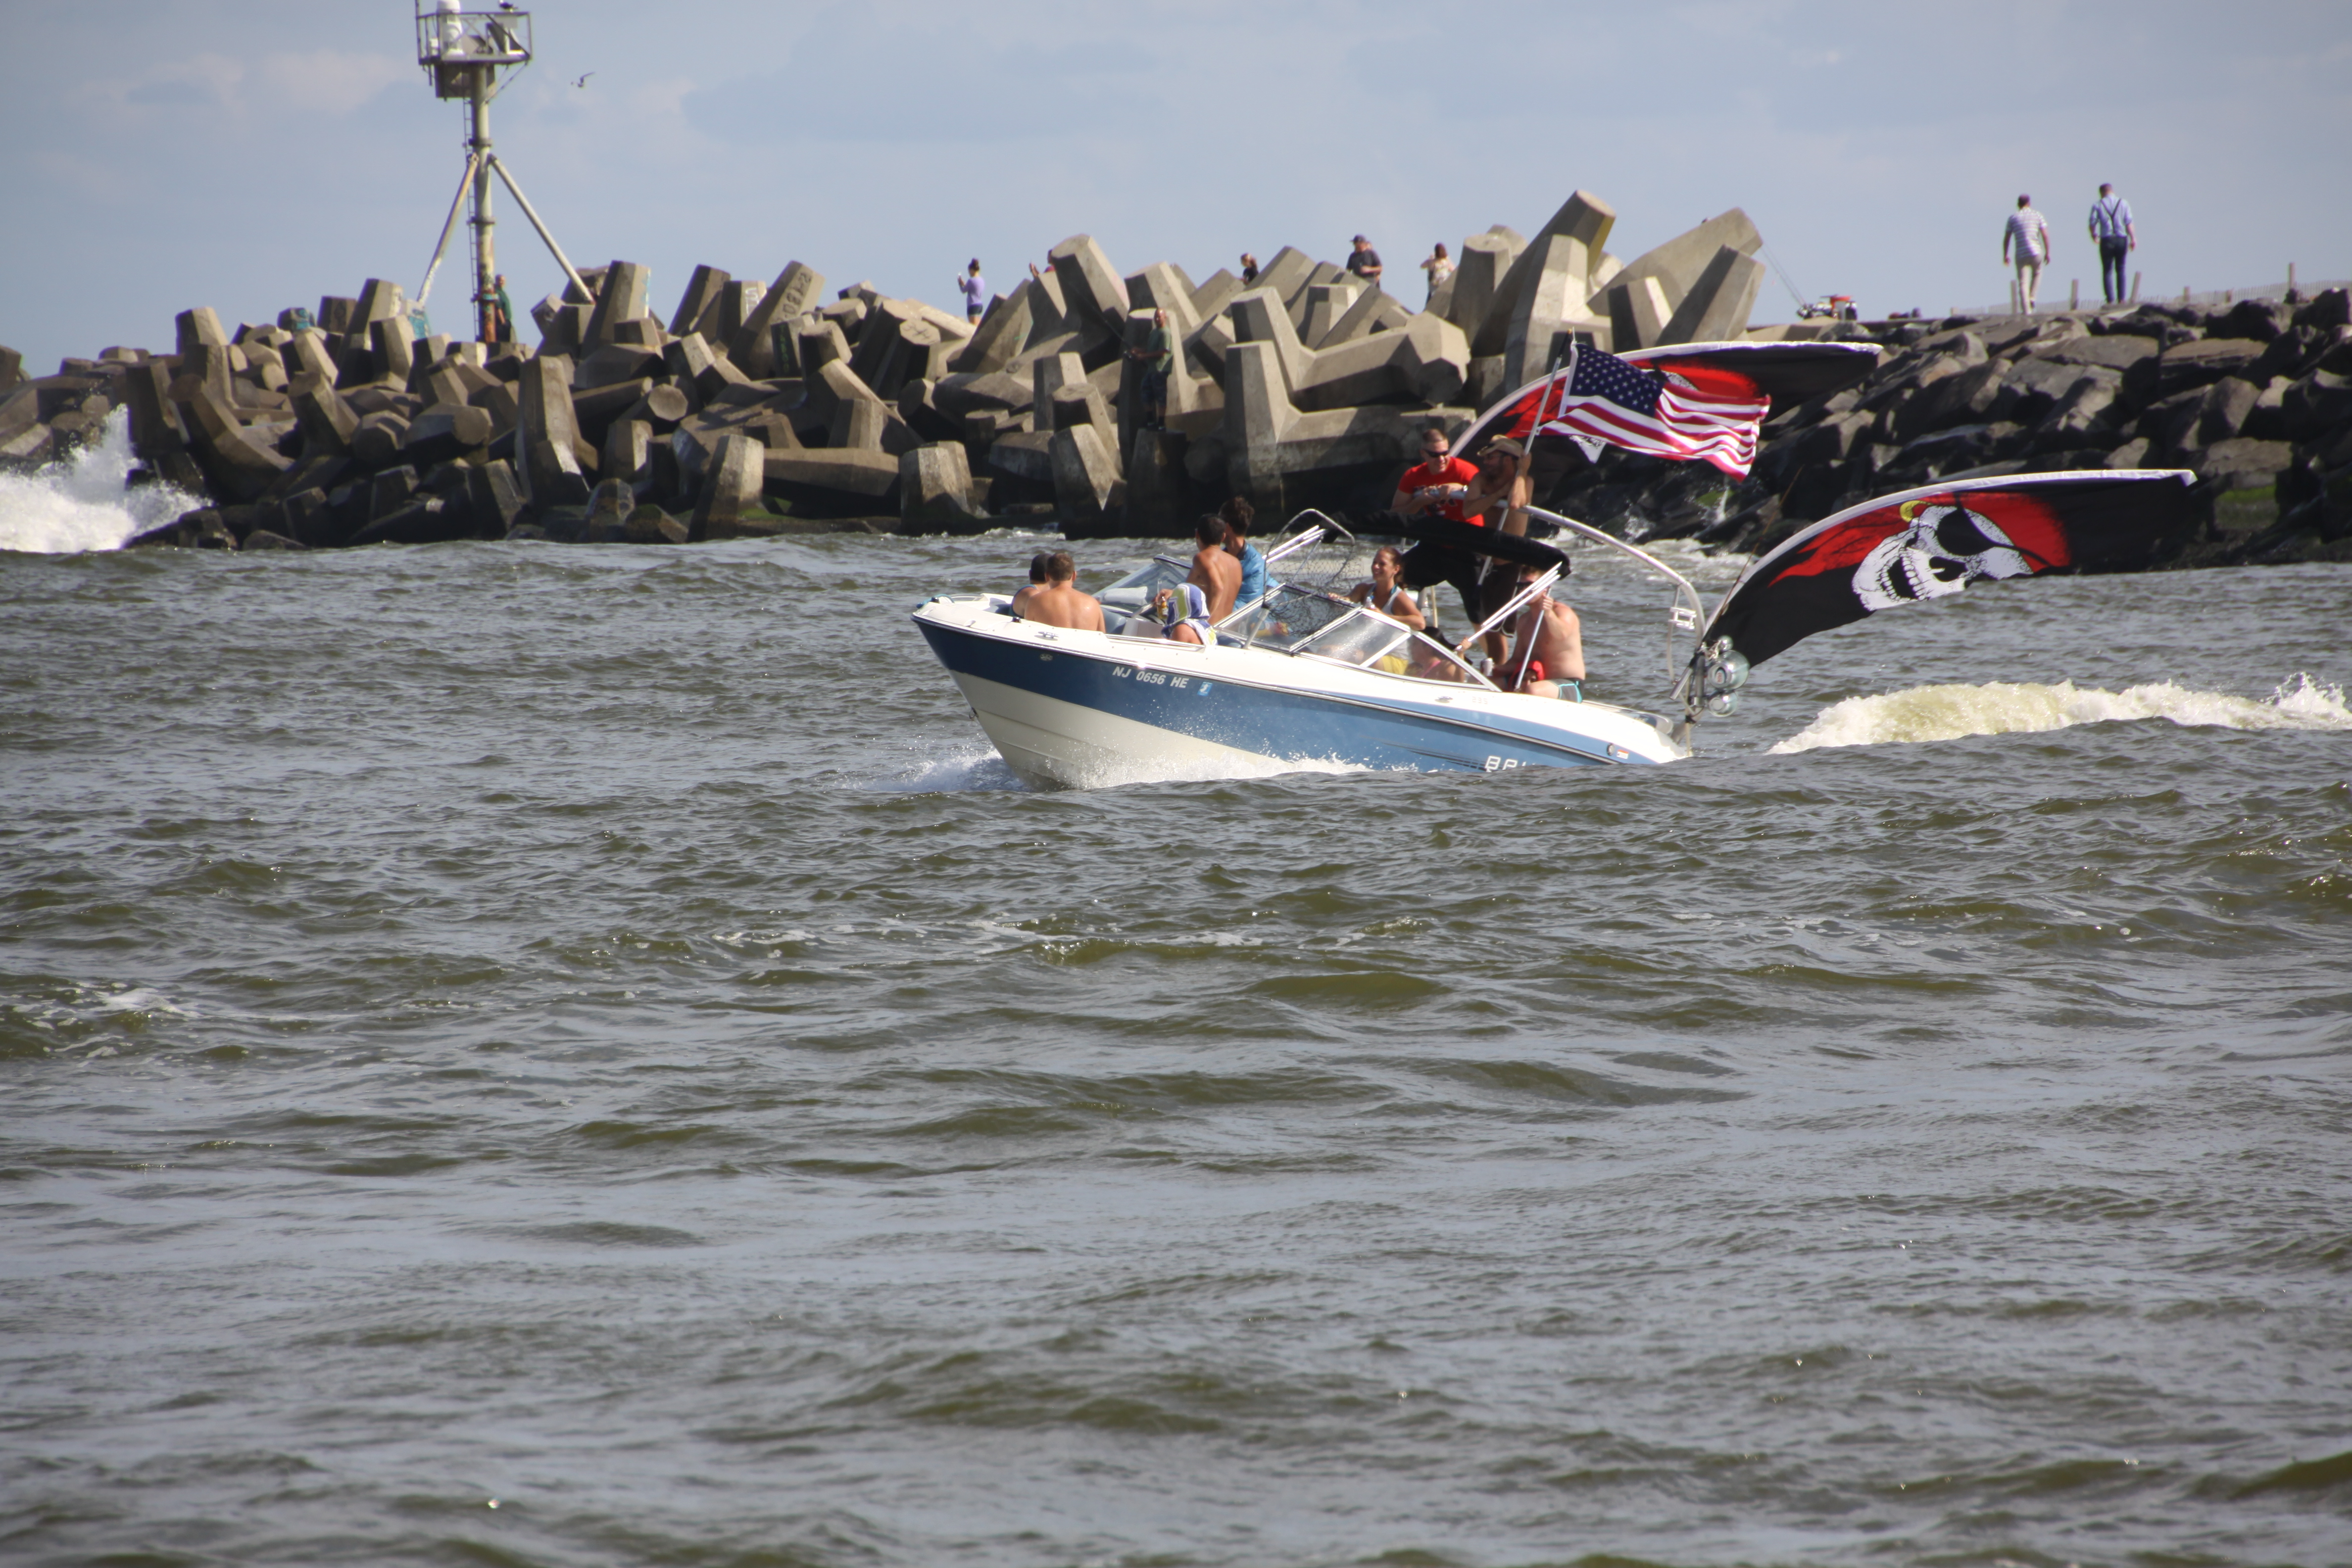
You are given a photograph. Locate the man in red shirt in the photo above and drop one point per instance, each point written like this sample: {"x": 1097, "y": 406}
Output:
{"x": 1436, "y": 487}
{"x": 1437, "y": 483}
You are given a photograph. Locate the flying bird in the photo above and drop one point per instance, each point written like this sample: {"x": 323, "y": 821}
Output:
{"x": 583, "y": 82}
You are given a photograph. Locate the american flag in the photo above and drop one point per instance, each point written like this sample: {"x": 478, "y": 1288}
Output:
{"x": 1696, "y": 415}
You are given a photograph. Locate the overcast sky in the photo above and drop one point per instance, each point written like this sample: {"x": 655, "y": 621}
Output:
{"x": 255, "y": 154}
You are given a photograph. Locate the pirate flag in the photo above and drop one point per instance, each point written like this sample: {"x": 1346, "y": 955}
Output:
{"x": 1788, "y": 374}
{"x": 1930, "y": 542}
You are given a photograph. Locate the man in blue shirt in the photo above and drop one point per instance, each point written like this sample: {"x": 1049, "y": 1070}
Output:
{"x": 1237, "y": 514}
{"x": 2111, "y": 226}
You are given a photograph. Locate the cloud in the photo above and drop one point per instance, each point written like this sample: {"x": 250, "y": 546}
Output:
{"x": 329, "y": 80}
{"x": 321, "y": 81}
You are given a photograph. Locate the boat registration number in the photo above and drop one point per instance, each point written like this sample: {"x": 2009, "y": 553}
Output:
{"x": 1149, "y": 677}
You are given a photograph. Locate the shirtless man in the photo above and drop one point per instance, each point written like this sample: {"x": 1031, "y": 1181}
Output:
{"x": 1040, "y": 574}
{"x": 1386, "y": 592}
{"x": 1547, "y": 656}
{"x": 1059, "y": 602}
{"x": 1502, "y": 491}
{"x": 1216, "y": 573}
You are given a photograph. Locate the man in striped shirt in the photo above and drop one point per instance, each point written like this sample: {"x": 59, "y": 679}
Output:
{"x": 2031, "y": 235}
{"x": 2111, "y": 226}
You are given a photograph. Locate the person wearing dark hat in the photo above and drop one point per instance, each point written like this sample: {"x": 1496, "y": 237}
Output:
{"x": 1502, "y": 493}
{"x": 1364, "y": 261}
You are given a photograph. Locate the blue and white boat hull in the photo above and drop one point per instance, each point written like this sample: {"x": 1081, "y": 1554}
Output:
{"x": 1080, "y": 709}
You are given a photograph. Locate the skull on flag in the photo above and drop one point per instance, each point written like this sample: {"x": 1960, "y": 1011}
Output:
{"x": 1945, "y": 548}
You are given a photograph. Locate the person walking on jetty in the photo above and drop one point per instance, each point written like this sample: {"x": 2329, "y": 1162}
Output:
{"x": 1440, "y": 266}
{"x": 1157, "y": 354}
{"x": 975, "y": 292}
{"x": 2111, "y": 226}
{"x": 1364, "y": 261}
{"x": 1249, "y": 269}
{"x": 2031, "y": 234}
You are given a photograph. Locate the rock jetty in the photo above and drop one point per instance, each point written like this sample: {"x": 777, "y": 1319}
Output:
{"x": 2255, "y": 397}
{"x": 769, "y": 407}
{"x": 760, "y": 408}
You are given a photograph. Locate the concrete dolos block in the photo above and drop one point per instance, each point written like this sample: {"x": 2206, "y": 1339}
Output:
{"x": 1258, "y": 415}
{"x": 622, "y": 298}
{"x": 1678, "y": 264}
{"x": 1717, "y": 306}
{"x": 1372, "y": 311}
{"x": 1638, "y": 313}
{"x": 795, "y": 291}
{"x": 1002, "y": 333}
{"x": 1549, "y": 302}
{"x": 935, "y": 486}
{"x": 547, "y": 437}
{"x": 1085, "y": 474}
{"x": 328, "y": 423}
{"x": 1585, "y": 220}
{"x": 732, "y": 482}
{"x": 825, "y": 483}
{"x": 1268, "y": 445}
{"x": 1260, "y": 317}
{"x": 1478, "y": 276}
{"x": 1389, "y": 367}
{"x": 1092, "y": 289}
{"x": 702, "y": 293}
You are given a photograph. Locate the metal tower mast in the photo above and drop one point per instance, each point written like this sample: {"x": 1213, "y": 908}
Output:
{"x": 463, "y": 51}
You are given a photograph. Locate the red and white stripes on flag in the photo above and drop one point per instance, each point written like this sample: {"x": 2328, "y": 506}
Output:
{"x": 1692, "y": 413}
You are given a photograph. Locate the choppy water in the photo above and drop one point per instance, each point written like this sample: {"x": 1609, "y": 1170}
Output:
{"x": 519, "y": 1055}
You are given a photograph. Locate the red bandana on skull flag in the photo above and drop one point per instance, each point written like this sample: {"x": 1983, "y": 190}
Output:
{"x": 1932, "y": 543}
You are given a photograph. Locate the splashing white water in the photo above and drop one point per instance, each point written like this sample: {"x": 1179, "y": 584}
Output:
{"x": 82, "y": 505}
{"x": 1948, "y": 712}
{"x": 964, "y": 766}
{"x": 1111, "y": 773}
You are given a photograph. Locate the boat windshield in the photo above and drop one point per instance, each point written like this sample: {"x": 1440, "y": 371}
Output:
{"x": 1324, "y": 625}
{"x": 1137, "y": 589}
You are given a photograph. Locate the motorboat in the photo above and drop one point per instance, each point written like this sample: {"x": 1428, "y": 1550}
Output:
{"x": 1305, "y": 675}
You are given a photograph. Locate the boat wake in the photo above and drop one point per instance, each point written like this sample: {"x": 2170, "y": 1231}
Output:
{"x": 1111, "y": 774}
{"x": 961, "y": 768}
{"x": 979, "y": 767}
{"x": 82, "y": 505}
{"x": 1998, "y": 707}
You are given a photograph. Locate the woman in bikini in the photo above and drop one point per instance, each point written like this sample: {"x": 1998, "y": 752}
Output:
{"x": 1387, "y": 592}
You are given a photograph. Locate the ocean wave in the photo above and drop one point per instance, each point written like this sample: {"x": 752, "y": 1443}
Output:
{"x": 82, "y": 505}
{"x": 2001, "y": 708}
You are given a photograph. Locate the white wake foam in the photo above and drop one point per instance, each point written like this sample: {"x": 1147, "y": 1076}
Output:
{"x": 962, "y": 767}
{"x": 81, "y": 505}
{"x": 1997, "y": 708}
{"x": 965, "y": 766}
{"x": 1114, "y": 772}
